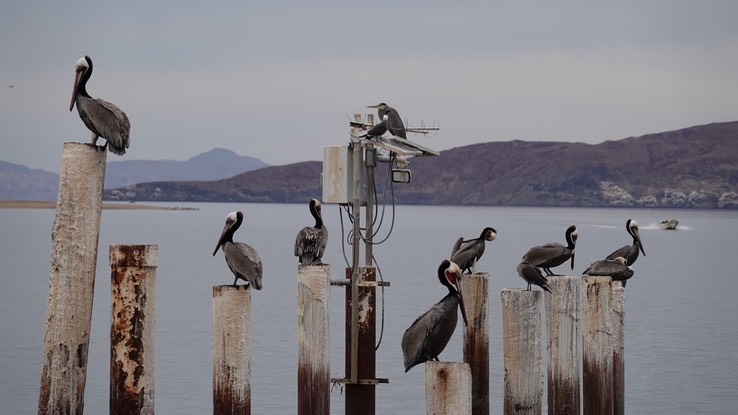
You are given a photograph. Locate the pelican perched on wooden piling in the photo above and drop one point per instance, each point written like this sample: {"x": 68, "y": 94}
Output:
{"x": 616, "y": 268}
{"x": 101, "y": 117}
{"x": 532, "y": 275}
{"x": 242, "y": 259}
{"x": 395, "y": 124}
{"x": 311, "y": 240}
{"x": 630, "y": 252}
{"x": 553, "y": 254}
{"x": 466, "y": 253}
{"x": 429, "y": 334}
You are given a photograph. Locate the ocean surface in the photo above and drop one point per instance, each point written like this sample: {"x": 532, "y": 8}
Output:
{"x": 681, "y": 330}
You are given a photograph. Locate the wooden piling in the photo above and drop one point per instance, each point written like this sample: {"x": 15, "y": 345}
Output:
{"x": 313, "y": 334}
{"x": 618, "y": 352}
{"x": 474, "y": 289}
{"x": 448, "y": 388}
{"x": 597, "y": 345}
{"x": 521, "y": 327}
{"x": 563, "y": 336}
{"x": 74, "y": 238}
{"x": 231, "y": 350}
{"x": 133, "y": 287}
{"x": 360, "y": 396}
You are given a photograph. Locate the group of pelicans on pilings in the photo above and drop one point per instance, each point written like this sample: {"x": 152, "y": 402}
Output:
{"x": 429, "y": 334}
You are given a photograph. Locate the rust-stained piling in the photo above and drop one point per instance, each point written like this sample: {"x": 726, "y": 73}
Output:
{"x": 313, "y": 335}
{"x": 521, "y": 332}
{"x": 476, "y": 338}
{"x": 133, "y": 287}
{"x": 74, "y": 238}
{"x": 563, "y": 336}
{"x": 448, "y": 388}
{"x": 597, "y": 345}
{"x": 360, "y": 397}
{"x": 231, "y": 350}
{"x": 618, "y": 352}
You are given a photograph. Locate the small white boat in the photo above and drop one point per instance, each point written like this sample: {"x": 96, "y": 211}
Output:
{"x": 670, "y": 224}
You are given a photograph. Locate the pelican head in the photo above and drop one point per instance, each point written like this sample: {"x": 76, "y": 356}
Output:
{"x": 83, "y": 66}
{"x": 232, "y": 223}
{"x": 632, "y": 227}
{"x": 489, "y": 234}
{"x": 452, "y": 279}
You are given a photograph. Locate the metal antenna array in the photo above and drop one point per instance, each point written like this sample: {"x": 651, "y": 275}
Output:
{"x": 348, "y": 179}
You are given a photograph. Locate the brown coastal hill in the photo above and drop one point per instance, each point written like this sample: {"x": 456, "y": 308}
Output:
{"x": 692, "y": 167}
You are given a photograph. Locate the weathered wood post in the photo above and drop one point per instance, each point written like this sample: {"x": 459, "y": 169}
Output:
{"x": 231, "y": 350}
{"x": 360, "y": 396}
{"x": 448, "y": 388}
{"x": 74, "y": 239}
{"x": 133, "y": 288}
{"x": 563, "y": 336}
{"x": 521, "y": 331}
{"x": 597, "y": 345}
{"x": 476, "y": 338}
{"x": 618, "y": 352}
{"x": 313, "y": 334}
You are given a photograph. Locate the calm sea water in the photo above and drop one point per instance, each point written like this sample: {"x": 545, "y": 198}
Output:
{"x": 681, "y": 325}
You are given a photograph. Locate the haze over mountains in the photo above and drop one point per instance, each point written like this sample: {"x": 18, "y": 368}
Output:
{"x": 695, "y": 167}
{"x": 20, "y": 182}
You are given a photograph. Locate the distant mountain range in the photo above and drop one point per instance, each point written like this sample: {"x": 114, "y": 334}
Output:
{"x": 695, "y": 167}
{"x": 20, "y": 182}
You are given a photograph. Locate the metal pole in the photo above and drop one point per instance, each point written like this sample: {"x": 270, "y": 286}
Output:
{"x": 562, "y": 333}
{"x": 231, "y": 350}
{"x": 133, "y": 288}
{"x": 313, "y": 334}
{"x": 476, "y": 339}
{"x": 597, "y": 345}
{"x": 74, "y": 239}
{"x": 360, "y": 393}
{"x": 521, "y": 331}
{"x": 353, "y": 375}
{"x": 448, "y": 388}
{"x": 371, "y": 160}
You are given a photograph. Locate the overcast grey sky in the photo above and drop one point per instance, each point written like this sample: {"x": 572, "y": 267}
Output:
{"x": 276, "y": 80}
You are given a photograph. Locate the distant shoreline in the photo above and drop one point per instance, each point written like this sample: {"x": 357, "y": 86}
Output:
{"x": 51, "y": 204}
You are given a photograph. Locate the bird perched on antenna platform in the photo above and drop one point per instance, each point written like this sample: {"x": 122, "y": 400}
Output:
{"x": 101, "y": 117}
{"x": 394, "y": 121}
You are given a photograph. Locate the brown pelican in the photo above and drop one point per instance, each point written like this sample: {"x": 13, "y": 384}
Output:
{"x": 532, "y": 275}
{"x": 310, "y": 241}
{"x": 101, "y": 117}
{"x": 616, "y": 268}
{"x": 378, "y": 129}
{"x": 242, "y": 259}
{"x": 630, "y": 252}
{"x": 553, "y": 254}
{"x": 429, "y": 334}
{"x": 395, "y": 126}
{"x": 467, "y": 253}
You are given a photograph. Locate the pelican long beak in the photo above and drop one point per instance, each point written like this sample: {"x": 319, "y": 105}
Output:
{"x": 222, "y": 238}
{"x": 77, "y": 75}
{"x": 640, "y": 244}
{"x": 373, "y": 106}
{"x": 572, "y": 259}
{"x": 461, "y": 305}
